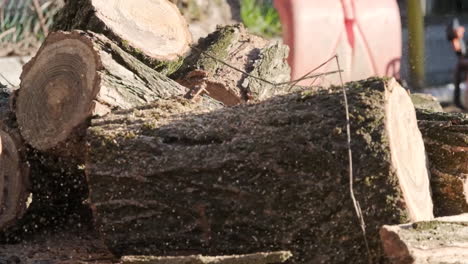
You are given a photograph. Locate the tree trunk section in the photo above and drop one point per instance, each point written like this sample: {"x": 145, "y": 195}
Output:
{"x": 14, "y": 172}
{"x": 173, "y": 179}
{"x": 256, "y": 258}
{"x": 443, "y": 240}
{"x": 246, "y": 52}
{"x": 76, "y": 75}
{"x": 152, "y": 30}
{"x": 446, "y": 140}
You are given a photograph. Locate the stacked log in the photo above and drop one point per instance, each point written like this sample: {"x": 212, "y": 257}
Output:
{"x": 171, "y": 179}
{"x": 153, "y": 31}
{"x": 14, "y": 172}
{"x": 443, "y": 240}
{"x": 446, "y": 140}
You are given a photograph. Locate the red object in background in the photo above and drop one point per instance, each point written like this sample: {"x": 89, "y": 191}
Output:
{"x": 366, "y": 35}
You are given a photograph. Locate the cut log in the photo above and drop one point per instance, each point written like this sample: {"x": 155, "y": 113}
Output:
{"x": 257, "y": 258}
{"x": 426, "y": 102}
{"x": 152, "y": 30}
{"x": 14, "y": 172}
{"x": 440, "y": 241}
{"x": 446, "y": 139}
{"x": 238, "y": 48}
{"x": 76, "y": 75}
{"x": 171, "y": 179}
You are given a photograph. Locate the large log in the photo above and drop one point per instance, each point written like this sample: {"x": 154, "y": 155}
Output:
{"x": 14, "y": 171}
{"x": 76, "y": 75}
{"x": 205, "y": 68}
{"x": 446, "y": 140}
{"x": 444, "y": 240}
{"x": 152, "y": 30}
{"x": 171, "y": 179}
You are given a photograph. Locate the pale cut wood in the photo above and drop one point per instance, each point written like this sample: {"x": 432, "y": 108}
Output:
{"x": 256, "y": 258}
{"x": 171, "y": 179}
{"x": 76, "y": 75}
{"x": 441, "y": 241}
{"x": 426, "y": 102}
{"x": 152, "y": 30}
{"x": 205, "y": 70}
{"x": 14, "y": 172}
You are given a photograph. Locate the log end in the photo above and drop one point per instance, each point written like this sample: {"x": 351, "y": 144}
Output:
{"x": 13, "y": 181}
{"x": 408, "y": 152}
{"x": 57, "y": 89}
{"x": 155, "y": 28}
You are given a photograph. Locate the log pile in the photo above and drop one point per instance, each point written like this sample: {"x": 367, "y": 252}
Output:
{"x": 185, "y": 150}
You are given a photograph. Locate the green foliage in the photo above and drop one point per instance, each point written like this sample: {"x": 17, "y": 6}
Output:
{"x": 260, "y": 17}
{"x": 19, "y": 19}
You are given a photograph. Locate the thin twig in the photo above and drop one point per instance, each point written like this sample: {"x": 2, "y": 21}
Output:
{"x": 293, "y": 82}
{"x": 41, "y": 17}
{"x": 357, "y": 207}
{"x": 9, "y": 31}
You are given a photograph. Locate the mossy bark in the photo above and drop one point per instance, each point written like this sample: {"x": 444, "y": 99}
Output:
{"x": 173, "y": 179}
{"x": 426, "y": 102}
{"x": 446, "y": 140}
{"x": 251, "y": 54}
{"x": 81, "y": 15}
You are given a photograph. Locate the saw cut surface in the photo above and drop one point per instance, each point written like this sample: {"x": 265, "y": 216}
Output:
{"x": 408, "y": 153}
{"x": 153, "y": 26}
{"x": 61, "y": 81}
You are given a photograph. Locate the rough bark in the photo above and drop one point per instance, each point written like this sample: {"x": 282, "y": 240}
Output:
{"x": 14, "y": 172}
{"x": 446, "y": 140}
{"x": 257, "y": 258}
{"x": 426, "y": 102}
{"x": 171, "y": 179}
{"x": 236, "y": 47}
{"x": 440, "y": 241}
{"x": 152, "y": 30}
{"x": 76, "y": 75}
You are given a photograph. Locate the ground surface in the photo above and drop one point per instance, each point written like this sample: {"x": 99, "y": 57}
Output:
{"x": 61, "y": 246}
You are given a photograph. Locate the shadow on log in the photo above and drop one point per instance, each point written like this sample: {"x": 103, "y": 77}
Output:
{"x": 171, "y": 179}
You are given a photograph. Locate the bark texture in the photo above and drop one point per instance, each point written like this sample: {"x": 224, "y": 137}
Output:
{"x": 256, "y": 258}
{"x": 435, "y": 242}
{"x": 172, "y": 179}
{"x": 14, "y": 171}
{"x": 76, "y": 75}
{"x": 446, "y": 139}
{"x": 152, "y": 30}
{"x": 236, "y": 47}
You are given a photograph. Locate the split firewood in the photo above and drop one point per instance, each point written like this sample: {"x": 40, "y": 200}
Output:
{"x": 443, "y": 240}
{"x": 256, "y": 258}
{"x": 152, "y": 30}
{"x": 446, "y": 140}
{"x": 76, "y": 75}
{"x": 211, "y": 66}
{"x": 14, "y": 171}
{"x": 171, "y": 178}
